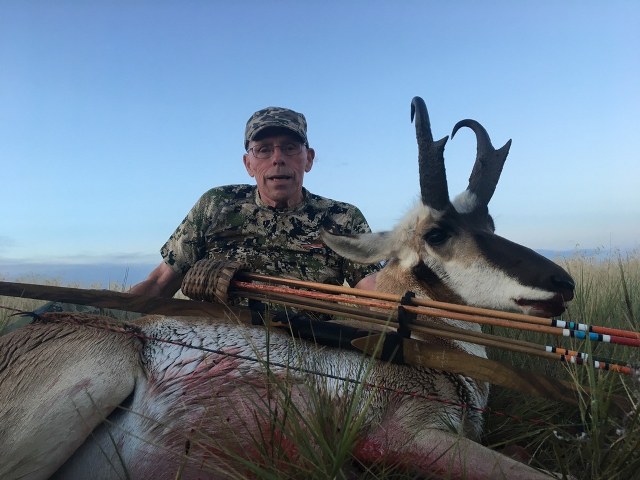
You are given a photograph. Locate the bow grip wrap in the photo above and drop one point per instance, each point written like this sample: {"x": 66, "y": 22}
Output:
{"x": 209, "y": 280}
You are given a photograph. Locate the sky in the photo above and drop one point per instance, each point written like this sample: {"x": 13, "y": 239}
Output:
{"x": 115, "y": 116}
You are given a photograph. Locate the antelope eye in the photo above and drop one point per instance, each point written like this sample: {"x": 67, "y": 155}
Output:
{"x": 436, "y": 237}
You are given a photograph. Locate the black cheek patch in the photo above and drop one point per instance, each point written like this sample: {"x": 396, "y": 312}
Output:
{"x": 527, "y": 266}
{"x": 433, "y": 285}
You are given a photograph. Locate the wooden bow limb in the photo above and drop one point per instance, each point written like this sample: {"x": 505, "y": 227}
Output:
{"x": 422, "y": 354}
{"x": 123, "y": 301}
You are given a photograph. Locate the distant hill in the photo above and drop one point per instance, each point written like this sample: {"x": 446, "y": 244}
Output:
{"x": 99, "y": 275}
{"x": 102, "y": 275}
{"x": 595, "y": 253}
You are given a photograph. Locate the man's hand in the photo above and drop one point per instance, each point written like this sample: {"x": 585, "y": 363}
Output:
{"x": 163, "y": 281}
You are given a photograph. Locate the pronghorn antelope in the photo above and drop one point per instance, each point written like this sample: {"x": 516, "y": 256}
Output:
{"x": 97, "y": 399}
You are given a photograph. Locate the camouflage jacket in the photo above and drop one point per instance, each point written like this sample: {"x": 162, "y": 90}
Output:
{"x": 231, "y": 222}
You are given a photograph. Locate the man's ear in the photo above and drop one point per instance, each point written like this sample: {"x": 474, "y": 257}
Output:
{"x": 311, "y": 154}
{"x": 247, "y": 164}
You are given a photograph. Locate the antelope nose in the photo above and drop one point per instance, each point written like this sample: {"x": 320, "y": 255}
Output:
{"x": 565, "y": 285}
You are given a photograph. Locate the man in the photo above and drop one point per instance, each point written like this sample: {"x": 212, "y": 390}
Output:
{"x": 273, "y": 227}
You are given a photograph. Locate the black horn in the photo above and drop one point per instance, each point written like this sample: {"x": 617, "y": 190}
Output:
{"x": 433, "y": 178}
{"x": 489, "y": 162}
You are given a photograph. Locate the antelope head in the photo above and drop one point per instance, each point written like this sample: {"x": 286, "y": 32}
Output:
{"x": 447, "y": 250}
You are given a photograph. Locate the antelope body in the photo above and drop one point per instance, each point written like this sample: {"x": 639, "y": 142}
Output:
{"x": 82, "y": 399}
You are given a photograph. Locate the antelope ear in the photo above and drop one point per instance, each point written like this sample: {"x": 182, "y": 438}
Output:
{"x": 361, "y": 248}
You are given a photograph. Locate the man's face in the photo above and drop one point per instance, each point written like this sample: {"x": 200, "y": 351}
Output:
{"x": 279, "y": 177}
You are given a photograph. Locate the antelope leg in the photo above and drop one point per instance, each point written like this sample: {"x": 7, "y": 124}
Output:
{"x": 436, "y": 452}
{"x": 58, "y": 381}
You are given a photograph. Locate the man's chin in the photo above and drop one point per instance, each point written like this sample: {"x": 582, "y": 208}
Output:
{"x": 281, "y": 196}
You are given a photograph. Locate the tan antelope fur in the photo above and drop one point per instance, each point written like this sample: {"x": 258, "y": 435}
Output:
{"x": 89, "y": 398}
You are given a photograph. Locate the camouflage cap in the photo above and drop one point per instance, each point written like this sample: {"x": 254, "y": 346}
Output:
{"x": 275, "y": 117}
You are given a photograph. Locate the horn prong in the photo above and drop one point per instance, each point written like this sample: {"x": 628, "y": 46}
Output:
{"x": 489, "y": 162}
{"x": 433, "y": 179}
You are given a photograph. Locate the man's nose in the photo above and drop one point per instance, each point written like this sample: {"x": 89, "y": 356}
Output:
{"x": 277, "y": 156}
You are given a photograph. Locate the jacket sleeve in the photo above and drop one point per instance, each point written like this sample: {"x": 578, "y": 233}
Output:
{"x": 187, "y": 243}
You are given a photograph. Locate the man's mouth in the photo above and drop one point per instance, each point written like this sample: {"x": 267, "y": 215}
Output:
{"x": 279, "y": 177}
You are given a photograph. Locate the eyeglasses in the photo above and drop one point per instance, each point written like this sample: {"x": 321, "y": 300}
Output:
{"x": 266, "y": 151}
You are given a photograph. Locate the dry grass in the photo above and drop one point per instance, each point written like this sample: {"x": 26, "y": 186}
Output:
{"x": 593, "y": 440}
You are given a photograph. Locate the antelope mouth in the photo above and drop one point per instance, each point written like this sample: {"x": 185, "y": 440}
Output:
{"x": 543, "y": 308}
